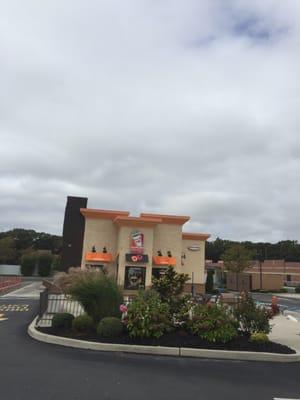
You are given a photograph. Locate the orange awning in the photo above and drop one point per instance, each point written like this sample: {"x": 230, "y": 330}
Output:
{"x": 98, "y": 257}
{"x": 161, "y": 260}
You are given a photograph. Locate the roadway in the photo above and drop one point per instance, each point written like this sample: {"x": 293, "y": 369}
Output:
{"x": 31, "y": 370}
{"x": 285, "y": 303}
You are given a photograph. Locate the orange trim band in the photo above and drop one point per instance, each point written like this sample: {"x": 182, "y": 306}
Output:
{"x": 103, "y": 214}
{"x": 195, "y": 236}
{"x": 98, "y": 257}
{"x": 136, "y": 221}
{"x": 168, "y": 219}
{"x": 161, "y": 260}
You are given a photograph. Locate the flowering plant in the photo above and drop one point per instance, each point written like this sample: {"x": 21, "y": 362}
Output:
{"x": 123, "y": 308}
{"x": 124, "y": 318}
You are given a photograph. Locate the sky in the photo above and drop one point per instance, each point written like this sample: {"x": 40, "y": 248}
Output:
{"x": 170, "y": 106}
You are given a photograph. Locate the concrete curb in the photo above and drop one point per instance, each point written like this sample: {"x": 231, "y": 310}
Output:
{"x": 156, "y": 350}
{"x": 240, "y": 355}
{"x": 83, "y": 344}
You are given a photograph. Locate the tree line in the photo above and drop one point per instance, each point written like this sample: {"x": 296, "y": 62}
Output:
{"x": 16, "y": 243}
{"x": 289, "y": 250}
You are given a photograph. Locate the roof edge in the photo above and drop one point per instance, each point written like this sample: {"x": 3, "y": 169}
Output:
{"x": 136, "y": 221}
{"x": 195, "y": 236}
{"x": 168, "y": 219}
{"x": 102, "y": 214}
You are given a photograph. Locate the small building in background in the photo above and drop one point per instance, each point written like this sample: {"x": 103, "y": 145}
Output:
{"x": 265, "y": 275}
{"x": 6, "y": 269}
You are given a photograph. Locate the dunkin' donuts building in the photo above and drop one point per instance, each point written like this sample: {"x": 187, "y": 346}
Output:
{"x": 135, "y": 249}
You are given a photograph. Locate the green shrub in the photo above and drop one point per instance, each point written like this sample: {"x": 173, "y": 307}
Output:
{"x": 297, "y": 289}
{"x": 251, "y": 317}
{"x": 213, "y": 323}
{"x": 98, "y": 294}
{"x": 182, "y": 314}
{"x": 83, "y": 323}
{"x": 259, "y": 337}
{"x": 110, "y": 327}
{"x": 283, "y": 290}
{"x": 209, "y": 284}
{"x": 44, "y": 264}
{"x": 28, "y": 264}
{"x": 66, "y": 280}
{"x": 62, "y": 320}
{"x": 56, "y": 263}
{"x": 170, "y": 288}
{"x": 148, "y": 316}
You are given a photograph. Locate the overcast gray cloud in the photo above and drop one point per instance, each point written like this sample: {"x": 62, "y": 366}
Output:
{"x": 187, "y": 107}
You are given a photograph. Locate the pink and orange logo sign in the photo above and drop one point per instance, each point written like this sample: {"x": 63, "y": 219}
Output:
{"x": 137, "y": 242}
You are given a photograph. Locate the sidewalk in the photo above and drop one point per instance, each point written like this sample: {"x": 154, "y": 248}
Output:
{"x": 30, "y": 291}
{"x": 295, "y": 296}
{"x": 286, "y": 331}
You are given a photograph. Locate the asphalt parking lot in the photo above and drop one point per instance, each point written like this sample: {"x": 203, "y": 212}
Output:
{"x": 32, "y": 370}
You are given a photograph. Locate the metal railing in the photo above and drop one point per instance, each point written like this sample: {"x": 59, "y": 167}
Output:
{"x": 51, "y": 304}
{"x": 43, "y": 303}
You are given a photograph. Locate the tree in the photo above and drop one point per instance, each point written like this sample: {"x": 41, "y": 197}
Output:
{"x": 18, "y": 242}
{"x": 7, "y": 250}
{"x": 44, "y": 264}
{"x": 236, "y": 259}
{"x": 209, "y": 284}
{"x": 170, "y": 287}
{"x": 28, "y": 263}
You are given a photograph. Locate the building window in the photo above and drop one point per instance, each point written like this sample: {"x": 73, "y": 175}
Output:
{"x": 135, "y": 278}
{"x": 97, "y": 267}
{"x": 158, "y": 272}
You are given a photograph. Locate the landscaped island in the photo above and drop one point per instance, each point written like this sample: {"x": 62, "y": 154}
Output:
{"x": 162, "y": 316}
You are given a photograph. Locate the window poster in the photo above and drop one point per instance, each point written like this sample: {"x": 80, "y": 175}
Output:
{"x": 135, "y": 278}
{"x": 137, "y": 242}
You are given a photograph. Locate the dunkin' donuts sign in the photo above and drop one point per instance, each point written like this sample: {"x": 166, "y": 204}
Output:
{"x": 137, "y": 258}
{"x": 137, "y": 242}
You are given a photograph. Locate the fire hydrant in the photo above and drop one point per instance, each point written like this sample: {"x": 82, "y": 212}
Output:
{"x": 274, "y": 306}
{"x": 274, "y": 300}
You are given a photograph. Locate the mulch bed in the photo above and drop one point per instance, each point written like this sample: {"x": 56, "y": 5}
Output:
{"x": 179, "y": 339}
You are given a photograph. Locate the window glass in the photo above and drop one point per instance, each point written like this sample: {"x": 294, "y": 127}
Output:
{"x": 99, "y": 267}
{"x": 158, "y": 272}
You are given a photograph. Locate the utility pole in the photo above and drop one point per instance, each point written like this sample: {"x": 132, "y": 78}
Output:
{"x": 260, "y": 274}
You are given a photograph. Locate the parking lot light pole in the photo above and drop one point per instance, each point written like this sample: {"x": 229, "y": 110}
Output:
{"x": 260, "y": 274}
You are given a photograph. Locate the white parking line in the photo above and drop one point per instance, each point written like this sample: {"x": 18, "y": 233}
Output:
{"x": 283, "y": 398}
{"x": 292, "y": 318}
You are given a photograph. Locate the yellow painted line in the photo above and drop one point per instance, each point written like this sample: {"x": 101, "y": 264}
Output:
{"x": 2, "y": 317}
{"x": 14, "y": 307}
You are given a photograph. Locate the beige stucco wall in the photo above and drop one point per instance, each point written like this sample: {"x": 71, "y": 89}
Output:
{"x": 194, "y": 261}
{"x": 100, "y": 233}
{"x": 168, "y": 237}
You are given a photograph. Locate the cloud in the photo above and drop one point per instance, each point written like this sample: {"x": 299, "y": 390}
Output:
{"x": 168, "y": 106}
